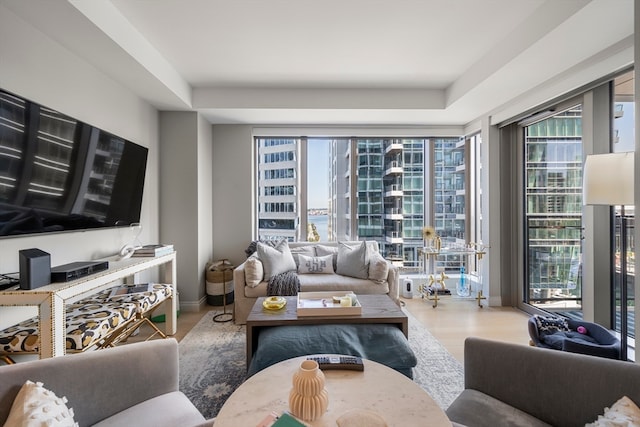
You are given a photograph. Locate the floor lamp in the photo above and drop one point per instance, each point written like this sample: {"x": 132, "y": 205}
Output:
{"x": 608, "y": 180}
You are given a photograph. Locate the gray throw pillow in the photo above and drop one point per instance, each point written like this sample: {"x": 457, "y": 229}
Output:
{"x": 275, "y": 260}
{"x": 352, "y": 261}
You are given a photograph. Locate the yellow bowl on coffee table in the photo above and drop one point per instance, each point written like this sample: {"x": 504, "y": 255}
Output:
{"x": 274, "y": 303}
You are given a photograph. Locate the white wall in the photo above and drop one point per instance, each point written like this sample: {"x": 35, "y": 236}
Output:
{"x": 186, "y": 199}
{"x": 39, "y": 69}
{"x": 233, "y": 181}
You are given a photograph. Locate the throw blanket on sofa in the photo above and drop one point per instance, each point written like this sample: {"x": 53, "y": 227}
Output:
{"x": 283, "y": 284}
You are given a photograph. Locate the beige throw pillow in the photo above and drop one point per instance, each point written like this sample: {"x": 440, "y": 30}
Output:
{"x": 623, "y": 413}
{"x": 315, "y": 264}
{"x": 35, "y": 406}
{"x": 253, "y": 271}
{"x": 352, "y": 260}
{"x": 378, "y": 268}
{"x": 275, "y": 260}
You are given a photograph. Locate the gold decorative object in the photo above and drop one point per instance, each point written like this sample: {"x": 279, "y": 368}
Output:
{"x": 308, "y": 399}
{"x": 428, "y": 233}
{"x": 274, "y": 303}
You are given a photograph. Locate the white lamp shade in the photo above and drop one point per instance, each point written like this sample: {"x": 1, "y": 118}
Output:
{"x": 608, "y": 179}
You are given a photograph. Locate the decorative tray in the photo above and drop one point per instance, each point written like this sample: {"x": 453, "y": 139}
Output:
{"x": 327, "y": 304}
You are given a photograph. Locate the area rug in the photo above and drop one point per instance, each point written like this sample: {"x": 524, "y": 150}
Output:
{"x": 212, "y": 364}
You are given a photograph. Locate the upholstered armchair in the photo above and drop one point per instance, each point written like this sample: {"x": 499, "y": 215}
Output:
{"x": 566, "y": 335}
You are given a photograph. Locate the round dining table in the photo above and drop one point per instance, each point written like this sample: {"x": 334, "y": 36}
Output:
{"x": 378, "y": 389}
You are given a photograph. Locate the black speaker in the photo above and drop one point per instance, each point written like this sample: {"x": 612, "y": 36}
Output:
{"x": 35, "y": 268}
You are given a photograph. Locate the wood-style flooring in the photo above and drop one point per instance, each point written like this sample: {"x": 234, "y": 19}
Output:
{"x": 451, "y": 322}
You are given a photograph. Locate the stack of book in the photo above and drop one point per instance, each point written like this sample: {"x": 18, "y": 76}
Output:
{"x": 153, "y": 250}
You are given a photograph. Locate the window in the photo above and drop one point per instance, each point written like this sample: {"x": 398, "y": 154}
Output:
{"x": 553, "y": 209}
{"x": 362, "y": 188}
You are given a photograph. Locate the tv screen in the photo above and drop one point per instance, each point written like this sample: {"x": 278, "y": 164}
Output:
{"x": 59, "y": 174}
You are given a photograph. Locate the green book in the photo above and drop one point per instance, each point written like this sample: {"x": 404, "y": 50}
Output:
{"x": 286, "y": 420}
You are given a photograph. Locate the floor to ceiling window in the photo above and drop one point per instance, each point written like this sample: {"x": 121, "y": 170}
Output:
{"x": 553, "y": 210}
{"x": 554, "y": 238}
{"x": 383, "y": 189}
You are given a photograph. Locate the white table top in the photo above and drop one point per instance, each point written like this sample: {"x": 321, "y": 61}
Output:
{"x": 396, "y": 398}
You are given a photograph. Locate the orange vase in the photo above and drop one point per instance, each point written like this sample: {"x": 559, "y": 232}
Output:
{"x": 308, "y": 399}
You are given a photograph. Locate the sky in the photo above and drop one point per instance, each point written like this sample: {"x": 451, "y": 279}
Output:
{"x": 625, "y": 127}
{"x": 318, "y": 173}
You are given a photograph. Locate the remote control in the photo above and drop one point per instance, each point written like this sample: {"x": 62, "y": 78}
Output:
{"x": 351, "y": 363}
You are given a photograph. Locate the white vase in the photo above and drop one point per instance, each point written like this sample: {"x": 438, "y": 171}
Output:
{"x": 308, "y": 399}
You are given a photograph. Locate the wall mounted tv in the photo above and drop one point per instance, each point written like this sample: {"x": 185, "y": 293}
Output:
{"x": 59, "y": 174}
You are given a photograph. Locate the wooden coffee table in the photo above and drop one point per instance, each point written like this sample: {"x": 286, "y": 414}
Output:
{"x": 375, "y": 309}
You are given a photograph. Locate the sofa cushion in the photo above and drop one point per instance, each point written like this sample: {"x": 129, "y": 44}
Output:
{"x": 474, "y": 408}
{"x": 352, "y": 260}
{"x": 315, "y": 264}
{"x": 167, "y": 410}
{"x": 336, "y": 282}
{"x": 253, "y": 271}
{"x": 35, "y": 406}
{"x": 302, "y": 250}
{"x": 322, "y": 250}
{"x": 378, "y": 268}
{"x": 275, "y": 260}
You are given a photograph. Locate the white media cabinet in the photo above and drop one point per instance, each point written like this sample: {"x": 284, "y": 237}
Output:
{"x": 52, "y": 298}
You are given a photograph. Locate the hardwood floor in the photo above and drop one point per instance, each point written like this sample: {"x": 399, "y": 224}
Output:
{"x": 451, "y": 322}
{"x": 455, "y": 320}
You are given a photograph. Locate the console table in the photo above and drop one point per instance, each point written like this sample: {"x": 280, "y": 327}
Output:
{"x": 51, "y": 299}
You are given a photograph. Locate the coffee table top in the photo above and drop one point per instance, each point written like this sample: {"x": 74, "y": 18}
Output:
{"x": 375, "y": 309}
{"x": 397, "y": 399}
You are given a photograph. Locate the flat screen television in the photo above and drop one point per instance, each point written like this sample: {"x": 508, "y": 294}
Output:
{"x": 59, "y": 174}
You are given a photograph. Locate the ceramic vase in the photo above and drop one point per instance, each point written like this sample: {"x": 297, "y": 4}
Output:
{"x": 308, "y": 399}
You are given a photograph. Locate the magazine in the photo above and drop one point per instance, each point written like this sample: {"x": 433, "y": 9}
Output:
{"x": 130, "y": 289}
{"x": 153, "y": 250}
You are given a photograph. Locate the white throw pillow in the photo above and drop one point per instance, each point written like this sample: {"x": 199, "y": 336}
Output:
{"x": 378, "y": 268}
{"x": 352, "y": 260}
{"x": 253, "y": 271}
{"x": 35, "y": 406}
{"x": 322, "y": 250}
{"x": 623, "y": 413}
{"x": 275, "y": 260}
{"x": 315, "y": 264}
{"x": 304, "y": 250}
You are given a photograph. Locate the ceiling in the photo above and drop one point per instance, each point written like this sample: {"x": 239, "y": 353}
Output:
{"x": 335, "y": 62}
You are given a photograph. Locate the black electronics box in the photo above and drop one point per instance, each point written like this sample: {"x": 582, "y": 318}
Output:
{"x": 77, "y": 270}
{"x": 35, "y": 268}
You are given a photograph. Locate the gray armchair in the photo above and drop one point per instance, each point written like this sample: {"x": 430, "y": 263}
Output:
{"x": 598, "y": 341}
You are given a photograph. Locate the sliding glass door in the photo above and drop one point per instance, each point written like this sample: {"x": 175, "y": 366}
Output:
{"x": 553, "y": 211}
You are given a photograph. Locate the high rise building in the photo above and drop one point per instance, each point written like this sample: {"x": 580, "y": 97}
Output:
{"x": 382, "y": 189}
{"x": 279, "y": 177}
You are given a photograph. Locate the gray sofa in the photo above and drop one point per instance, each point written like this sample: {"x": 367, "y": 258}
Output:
{"x": 245, "y": 296}
{"x": 519, "y": 385}
{"x": 133, "y": 384}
